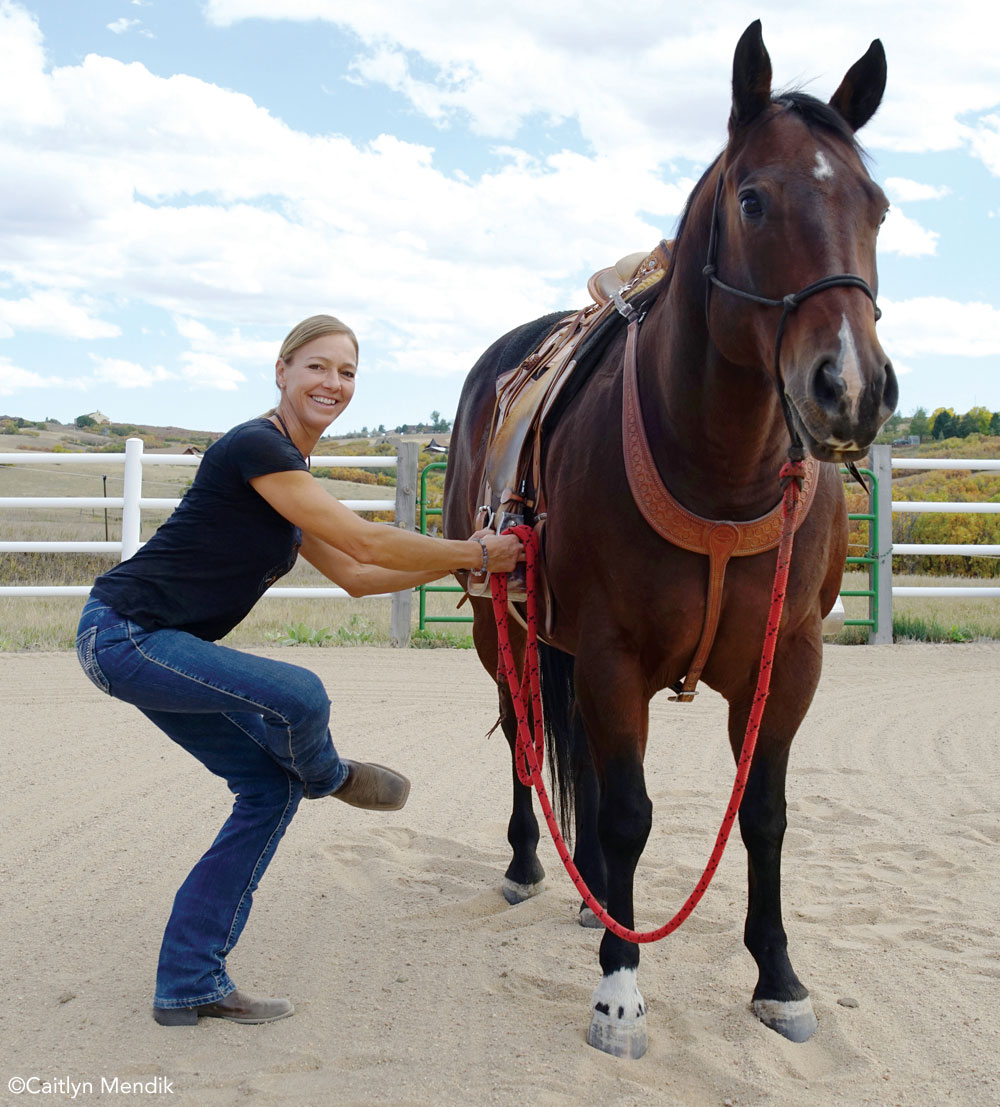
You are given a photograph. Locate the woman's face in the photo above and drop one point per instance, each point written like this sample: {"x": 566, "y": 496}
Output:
{"x": 317, "y": 382}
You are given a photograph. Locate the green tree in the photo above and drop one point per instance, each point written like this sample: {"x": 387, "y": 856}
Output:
{"x": 85, "y": 421}
{"x": 966, "y": 425}
{"x": 979, "y": 417}
{"x": 994, "y": 427}
{"x": 920, "y": 425}
{"x": 943, "y": 423}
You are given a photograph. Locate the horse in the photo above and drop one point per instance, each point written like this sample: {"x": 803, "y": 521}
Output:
{"x": 763, "y": 335}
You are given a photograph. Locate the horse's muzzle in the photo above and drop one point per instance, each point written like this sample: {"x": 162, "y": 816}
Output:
{"x": 842, "y": 411}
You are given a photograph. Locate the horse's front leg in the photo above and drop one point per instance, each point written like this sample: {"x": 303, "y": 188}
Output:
{"x": 615, "y": 715}
{"x": 780, "y": 1000}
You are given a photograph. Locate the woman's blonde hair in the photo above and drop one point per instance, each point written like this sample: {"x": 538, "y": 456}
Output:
{"x": 314, "y": 327}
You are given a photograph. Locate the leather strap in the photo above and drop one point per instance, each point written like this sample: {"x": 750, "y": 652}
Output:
{"x": 719, "y": 539}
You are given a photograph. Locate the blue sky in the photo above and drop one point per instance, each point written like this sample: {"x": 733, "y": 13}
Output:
{"x": 186, "y": 179}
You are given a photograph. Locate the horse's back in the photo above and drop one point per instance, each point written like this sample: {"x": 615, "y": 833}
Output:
{"x": 472, "y": 420}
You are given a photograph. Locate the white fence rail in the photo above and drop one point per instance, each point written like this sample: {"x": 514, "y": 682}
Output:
{"x": 883, "y": 465}
{"x": 132, "y": 503}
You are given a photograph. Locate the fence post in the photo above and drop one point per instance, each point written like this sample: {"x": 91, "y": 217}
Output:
{"x": 131, "y": 492}
{"x": 406, "y": 506}
{"x": 881, "y": 463}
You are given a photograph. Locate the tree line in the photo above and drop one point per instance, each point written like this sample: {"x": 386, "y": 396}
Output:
{"x": 944, "y": 422}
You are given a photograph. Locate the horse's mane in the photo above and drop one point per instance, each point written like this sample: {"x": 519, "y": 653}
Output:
{"x": 816, "y": 114}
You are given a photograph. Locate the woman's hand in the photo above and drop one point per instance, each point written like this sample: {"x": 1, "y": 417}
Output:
{"x": 503, "y": 551}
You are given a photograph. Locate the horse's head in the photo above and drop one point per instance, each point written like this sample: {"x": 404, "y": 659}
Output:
{"x": 792, "y": 257}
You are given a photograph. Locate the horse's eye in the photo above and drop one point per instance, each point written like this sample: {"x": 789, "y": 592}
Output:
{"x": 750, "y": 204}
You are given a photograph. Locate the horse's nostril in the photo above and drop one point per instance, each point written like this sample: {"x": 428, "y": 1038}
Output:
{"x": 890, "y": 394}
{"x": 828, "y": 386}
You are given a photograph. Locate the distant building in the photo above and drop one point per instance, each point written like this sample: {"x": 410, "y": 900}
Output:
{"x": 100, "y": 417}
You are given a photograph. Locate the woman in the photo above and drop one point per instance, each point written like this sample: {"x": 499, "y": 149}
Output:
{"x": 148, "y": 631}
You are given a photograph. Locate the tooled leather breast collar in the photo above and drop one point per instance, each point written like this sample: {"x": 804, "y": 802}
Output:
{"x": 719, "y": 539}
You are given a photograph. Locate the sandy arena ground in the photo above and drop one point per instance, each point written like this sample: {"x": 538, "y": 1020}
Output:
{"x": 416, "y": 984}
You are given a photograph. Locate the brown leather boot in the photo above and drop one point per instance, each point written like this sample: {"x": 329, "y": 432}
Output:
{"x": 237, "y": 1007}
{"x": 373, "y": 787}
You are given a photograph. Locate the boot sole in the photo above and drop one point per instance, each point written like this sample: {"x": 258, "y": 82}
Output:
{"x": 188, "y": 1016}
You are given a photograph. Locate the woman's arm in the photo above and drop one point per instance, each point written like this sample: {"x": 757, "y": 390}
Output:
{"x": 356, "y": 578}
{"x": 301, "y": 499}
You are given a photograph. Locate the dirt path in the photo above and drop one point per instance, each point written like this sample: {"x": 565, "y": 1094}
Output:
{"x": 416, "y": 984}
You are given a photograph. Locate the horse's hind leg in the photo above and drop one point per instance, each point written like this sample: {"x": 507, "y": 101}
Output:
{"x": 780, "y": 1000}
{"x": 588, "y": 856}
{"x": 575, "y": 780}
{"x": 524, "y": 876}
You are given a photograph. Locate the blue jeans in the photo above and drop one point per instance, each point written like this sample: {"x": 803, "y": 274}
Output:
{"x": 263, "y": 727}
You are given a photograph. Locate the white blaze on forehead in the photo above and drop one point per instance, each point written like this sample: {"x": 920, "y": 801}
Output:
{"x": 823, "y": 170}
{"x": 848, "y": 364}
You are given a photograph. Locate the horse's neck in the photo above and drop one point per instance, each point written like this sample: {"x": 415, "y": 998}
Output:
{"x": 716, "y": 429}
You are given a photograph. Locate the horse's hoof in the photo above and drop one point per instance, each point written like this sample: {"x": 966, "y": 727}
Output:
{"x": 792, "y": 1019}
{"x": 615, "y": 1036}
{"x": 515, "y": 893}
{"x": 589, "y": 919}
{"x": 618, "y": 1019}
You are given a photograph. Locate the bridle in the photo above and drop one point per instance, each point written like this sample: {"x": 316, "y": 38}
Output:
{"x": 787, "y": 303}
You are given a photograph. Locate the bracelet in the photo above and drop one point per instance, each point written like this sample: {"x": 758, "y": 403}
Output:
{"x": 486, "y": 557}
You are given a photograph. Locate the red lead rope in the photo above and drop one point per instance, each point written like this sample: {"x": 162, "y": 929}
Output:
{"x": 528, "y": 757}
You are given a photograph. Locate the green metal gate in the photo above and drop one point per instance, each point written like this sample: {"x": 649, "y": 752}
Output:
{"x": 869, "y": 558}
{"x": 424, "y": 512}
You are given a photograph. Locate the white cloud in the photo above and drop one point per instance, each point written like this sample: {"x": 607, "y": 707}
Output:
{"x": 120, "y": 26}
{"x": 53, "y": 313}
{"x": 900, "y": 190}
{"x": 209, "y": 371}
{"x": 934, "y": 325}
{"x": 905, "y": 236}
{"x": 229, "y": 346}
{"x": 14, "y": 379}
{"x": 26, "y": 95}
{"x": 985, "y": 142}
{"x": 128, "y": 374}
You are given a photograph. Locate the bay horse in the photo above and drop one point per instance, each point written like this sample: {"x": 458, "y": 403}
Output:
{"x": 727, "y": 374}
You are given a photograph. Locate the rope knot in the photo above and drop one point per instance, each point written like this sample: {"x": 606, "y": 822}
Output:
{"x": 794, "y": 468}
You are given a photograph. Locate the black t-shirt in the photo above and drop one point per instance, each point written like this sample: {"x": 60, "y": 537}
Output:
{"x": 223, "y": 547}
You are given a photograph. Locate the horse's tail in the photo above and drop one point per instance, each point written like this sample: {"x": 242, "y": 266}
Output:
{"x": 565, "y": 738}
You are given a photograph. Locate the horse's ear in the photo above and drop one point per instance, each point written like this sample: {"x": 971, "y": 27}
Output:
{"x": 751, "y": 79}
{"x": 860, "y": 92}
